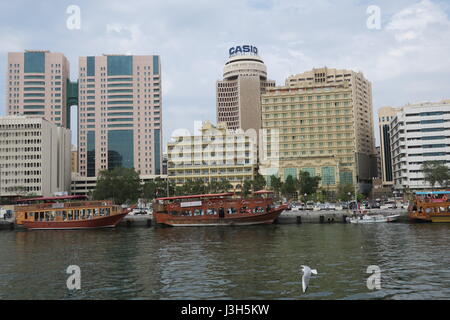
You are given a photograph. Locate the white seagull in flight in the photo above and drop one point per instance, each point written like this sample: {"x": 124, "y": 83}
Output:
{"x": 306, "y": 275}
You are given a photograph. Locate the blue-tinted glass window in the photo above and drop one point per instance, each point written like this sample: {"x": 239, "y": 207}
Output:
{"x": 120, "y": 65}
{"x": 120, "y": 149}
{"x": 34, "y": 62}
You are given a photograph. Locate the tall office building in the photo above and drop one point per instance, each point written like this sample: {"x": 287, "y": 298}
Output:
{"x": 34, "y": 157}
{"x": 419, "y": 133}
{"x": 325, "y": 125}
{"x": 385, "y": 115}
{"x": 120, "y": 114}
{"x": 238, "y": 95}
{"x": 36, "y": 85}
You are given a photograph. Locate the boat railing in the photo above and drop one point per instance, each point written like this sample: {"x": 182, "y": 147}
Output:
{"x": 63, "y": 205}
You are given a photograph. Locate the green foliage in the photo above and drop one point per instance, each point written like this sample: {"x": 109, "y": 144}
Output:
{"x": 289, "y": 187}
{"x": 343, "y": 192}
{"x": 259, "y": 182}
{"x": 191, "y": 187}
{"x": 436, "y": 173}
{"x": 308, "y": 184}
{"x": 157, "y": 188}
{"x": 221, "y": 186}
{"x": 276, "y": 184}
{"x": 120, "y": 185}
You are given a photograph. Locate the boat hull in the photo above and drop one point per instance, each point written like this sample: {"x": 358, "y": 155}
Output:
{"x": 204, "y": 221}
{"x": 101, "y": 222}
{"x": 440, "y": 219}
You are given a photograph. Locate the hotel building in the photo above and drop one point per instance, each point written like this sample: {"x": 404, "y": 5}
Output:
{"x": 120, "y": 114}
{"x": 238, "y": 95}
{"x": 214, "y": 154}
{"x": 324, "y": 122}
{"x": 34, "y": 157}
{"x": 37, "y": 84}
{"x": 419, "y": 133}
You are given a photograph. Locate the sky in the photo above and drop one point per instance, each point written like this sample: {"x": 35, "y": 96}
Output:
{"x": 404, "y": 53}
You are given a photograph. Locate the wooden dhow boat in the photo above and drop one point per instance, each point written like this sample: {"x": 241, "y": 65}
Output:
{"x": 59, "y": 214}
{"x": 220, "y": 209}
{"x": 433, "y": 206}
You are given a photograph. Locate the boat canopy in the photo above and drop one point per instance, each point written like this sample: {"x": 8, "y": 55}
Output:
{"x": 212, "y": 195}
{"x": 78, "y": 197}
{"x": 432, "y": 192}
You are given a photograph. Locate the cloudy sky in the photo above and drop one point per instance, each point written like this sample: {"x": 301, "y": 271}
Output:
{"x": 406, "y": 59}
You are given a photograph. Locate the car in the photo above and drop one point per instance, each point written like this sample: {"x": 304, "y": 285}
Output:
{"x": 309, "y": 205}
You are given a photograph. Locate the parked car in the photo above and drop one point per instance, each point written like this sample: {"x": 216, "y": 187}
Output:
{"x": 310, "y": 205}
{"x": 372, "y": 205}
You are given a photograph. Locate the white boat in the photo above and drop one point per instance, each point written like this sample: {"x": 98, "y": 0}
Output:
{"x": 374, "y": 218}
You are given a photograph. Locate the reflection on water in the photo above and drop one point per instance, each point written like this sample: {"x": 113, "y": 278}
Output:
{"x": 257, "y": 262}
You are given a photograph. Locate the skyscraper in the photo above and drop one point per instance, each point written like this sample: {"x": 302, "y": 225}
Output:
{"x": 325, "y": 125}
{"x": 238, "y": 95}
{"x": 120, "y": 114}
{"x": 385, "y": 115}
{"x": 36, "y": 85}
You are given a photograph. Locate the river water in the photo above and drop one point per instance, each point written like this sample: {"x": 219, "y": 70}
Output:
{"x": 255, "y": 262}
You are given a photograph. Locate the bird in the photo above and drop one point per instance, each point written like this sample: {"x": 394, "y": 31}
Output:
{"x": 306, "y": 275}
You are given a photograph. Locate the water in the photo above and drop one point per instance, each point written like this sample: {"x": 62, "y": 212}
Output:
{"x": 255, "y": 262}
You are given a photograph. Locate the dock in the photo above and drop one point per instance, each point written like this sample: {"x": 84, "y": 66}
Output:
{"x": 138, "y": 220}
{"x": 7, "y": 224}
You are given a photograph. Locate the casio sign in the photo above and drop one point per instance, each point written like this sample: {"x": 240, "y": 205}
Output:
{"x": 242, "y": 50}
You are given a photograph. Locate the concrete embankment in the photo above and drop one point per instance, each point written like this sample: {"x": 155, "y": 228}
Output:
{"x": 137, "y": 221}
{"x": 7, "y": 224}
{"x": 330, "y": 216}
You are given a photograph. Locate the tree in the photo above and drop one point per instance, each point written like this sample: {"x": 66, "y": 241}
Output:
{"x": 276, "y": 184}
{"x": 308, "y": 184}
{"x": 223, "y": 185}
{"x": 119, "y": 184}
{"x": 247, "y": 188}
{"x": 289, "y": 187}
{"x": 343, "y": 191}
{"x": 259, "y": 182}
{"x": 191, "y": 187}
{"x": 157, "y": 188}
{"x": 436, "y": 172}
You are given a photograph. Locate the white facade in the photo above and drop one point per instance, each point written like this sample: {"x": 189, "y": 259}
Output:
{"x": 419, "y": 133}
{"x": 34, "y": 157}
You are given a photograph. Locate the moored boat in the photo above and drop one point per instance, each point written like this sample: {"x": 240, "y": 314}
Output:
{"x": 57, "y": 214}
{"x": 216, "y": 210}
{"x": 433, "y": 206}
{"x": 376, "y": 218}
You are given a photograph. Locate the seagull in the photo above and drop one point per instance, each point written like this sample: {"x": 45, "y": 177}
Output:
{"x": 306, "y": 275}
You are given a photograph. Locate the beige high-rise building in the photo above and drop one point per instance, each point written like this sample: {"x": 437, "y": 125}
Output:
{"x": 325, "y": 125}
{"x": 120, "y": 114}
{"x": 238, "y": 95}
{"x": 36, "y": 85}
{"x": 214, "y": 154}
{"x": 34, "y": 157}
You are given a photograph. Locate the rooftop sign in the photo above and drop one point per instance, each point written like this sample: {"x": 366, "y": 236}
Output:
{"x": 240, "y": 50}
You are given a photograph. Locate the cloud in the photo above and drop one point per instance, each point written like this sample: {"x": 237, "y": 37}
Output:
{"x": 193, "y": 37}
